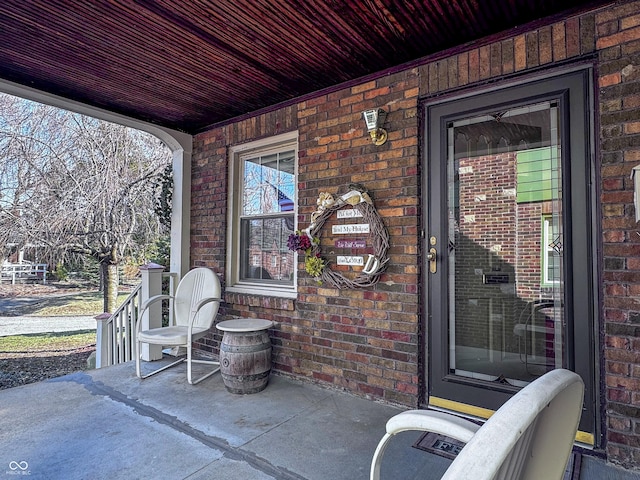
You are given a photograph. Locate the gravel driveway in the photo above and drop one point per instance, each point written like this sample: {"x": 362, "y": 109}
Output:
{"x": 30, "y": 324}
{"x": 12, "y": 324}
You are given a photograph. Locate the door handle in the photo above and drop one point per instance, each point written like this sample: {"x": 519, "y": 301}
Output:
{"x": 432, "y": 257}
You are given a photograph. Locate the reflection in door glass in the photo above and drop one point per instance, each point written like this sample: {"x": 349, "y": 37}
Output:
{"x": 506, "y": 319}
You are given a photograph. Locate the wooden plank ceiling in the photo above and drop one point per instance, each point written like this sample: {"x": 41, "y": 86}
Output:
{"x": 190, "y": 64}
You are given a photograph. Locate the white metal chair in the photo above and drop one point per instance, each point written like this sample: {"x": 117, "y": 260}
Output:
{"x": 529, "y": 438}
{"x": 195, "y": 307}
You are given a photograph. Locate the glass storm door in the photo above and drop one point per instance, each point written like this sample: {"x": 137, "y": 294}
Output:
{"x": 509, "y": 279}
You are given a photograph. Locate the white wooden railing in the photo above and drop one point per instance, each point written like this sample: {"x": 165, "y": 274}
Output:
{"x": 115, "y": 335}
{"x": 24, "y": 271}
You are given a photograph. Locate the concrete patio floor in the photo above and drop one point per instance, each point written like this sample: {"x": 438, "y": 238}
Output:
{"x": 108, "y": 424}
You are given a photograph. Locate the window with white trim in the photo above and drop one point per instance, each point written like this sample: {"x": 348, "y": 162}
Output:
{"x": 262, "y": 215}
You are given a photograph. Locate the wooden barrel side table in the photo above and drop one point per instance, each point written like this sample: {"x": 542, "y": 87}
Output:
{"x": 245, "y": 354}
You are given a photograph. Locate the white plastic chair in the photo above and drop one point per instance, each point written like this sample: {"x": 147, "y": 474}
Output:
{"x": 195, "y": 307}
{"x": 529, "y": 438}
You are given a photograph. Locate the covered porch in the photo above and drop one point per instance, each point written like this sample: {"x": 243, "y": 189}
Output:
{"x": 220, "y": 82}
{"x": 107, "y": 423}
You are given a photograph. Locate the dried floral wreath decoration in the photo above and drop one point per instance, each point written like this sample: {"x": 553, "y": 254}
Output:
{"x": 308, "y": 241}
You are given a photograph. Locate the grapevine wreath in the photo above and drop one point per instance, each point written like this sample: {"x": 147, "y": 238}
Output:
{"x": 308, "y": 241}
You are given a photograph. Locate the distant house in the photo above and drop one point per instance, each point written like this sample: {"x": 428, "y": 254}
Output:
{"x": 21, "y": 263}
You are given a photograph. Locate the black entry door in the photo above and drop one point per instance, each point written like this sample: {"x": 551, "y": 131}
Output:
{"x": 510, "y": 283}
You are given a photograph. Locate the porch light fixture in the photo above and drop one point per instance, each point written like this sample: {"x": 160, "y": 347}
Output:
{"x": 375, "y": 119}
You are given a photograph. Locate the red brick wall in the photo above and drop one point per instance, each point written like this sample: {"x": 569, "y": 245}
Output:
{"x": 366, "y": 340}
{"x": 618, "y": 45}
{"x": 362, "y": 340}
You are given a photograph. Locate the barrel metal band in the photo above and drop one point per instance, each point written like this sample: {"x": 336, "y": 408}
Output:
{"x": 244, "y": 348}
{"x": 246, "y": 378}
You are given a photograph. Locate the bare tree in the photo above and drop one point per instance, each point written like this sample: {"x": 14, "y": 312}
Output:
{"x": 75, "y": 185}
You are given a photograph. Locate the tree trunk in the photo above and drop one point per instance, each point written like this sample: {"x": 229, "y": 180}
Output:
{"x": 110, "y": 293}
{"x": 103, "y": 279}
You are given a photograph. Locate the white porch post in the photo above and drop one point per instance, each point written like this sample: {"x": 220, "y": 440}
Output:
{"x": 103, "y": 341}
{"x": 152, "y": 318}
{"x": 181, "y": 210}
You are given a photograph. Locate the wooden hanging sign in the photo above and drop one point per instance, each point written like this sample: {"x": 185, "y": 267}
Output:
{"x": 350, "y": 244}
{"x": 349, "y": 213}
{"x": 350, "y": 228}
{"x": 350, "y": 260}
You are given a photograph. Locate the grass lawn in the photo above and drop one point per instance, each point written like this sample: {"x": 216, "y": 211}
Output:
{"x": 35, "y": 357}
{"x": 47, "y": 342}
{"x": 85, "y": 303}
{"x": 68, "y": 304}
